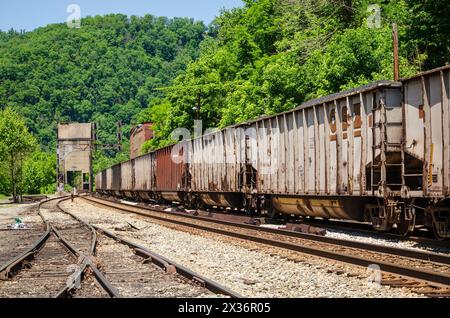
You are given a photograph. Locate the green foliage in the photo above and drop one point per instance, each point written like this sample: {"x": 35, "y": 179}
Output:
{"x": 16, "y": 142}
{"x": 272, "y": 55}
{"x": 428, "y": 32}
{"x": 5, "y": 179}
{"x": 263, "y": 58}
{"x": 102, "y": 161}
{"x": 107, "y": 70}
{"x": 39, "y": 173}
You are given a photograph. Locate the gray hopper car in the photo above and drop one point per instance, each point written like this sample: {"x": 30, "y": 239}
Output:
{"x": 378, "y": 153}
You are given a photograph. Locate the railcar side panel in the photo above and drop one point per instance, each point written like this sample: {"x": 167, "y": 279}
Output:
{"x": 127, "y": 175}
{"x": 116, "y": 177}
{"x": 98, "y": 181}
{"x": 144, "y": 172}
{"x": 426, "y": 103}
{"x": 109, "y": 179}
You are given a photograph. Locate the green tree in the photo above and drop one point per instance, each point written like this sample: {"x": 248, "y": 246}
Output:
{"x": 107, "y": 70}
{"x": 271, "y": 55}
{"x": 16, "y": 142}
{"x": 39, "y": 173}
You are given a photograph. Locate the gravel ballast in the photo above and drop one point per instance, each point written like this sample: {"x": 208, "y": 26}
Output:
{"x": 368, "y": 238}
{"x": 250, "y": 272}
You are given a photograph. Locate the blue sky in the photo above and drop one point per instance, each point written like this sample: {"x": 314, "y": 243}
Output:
{"x": 28, "y": 14}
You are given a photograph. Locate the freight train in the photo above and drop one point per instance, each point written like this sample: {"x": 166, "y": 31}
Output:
{"x": 377, "y": 153}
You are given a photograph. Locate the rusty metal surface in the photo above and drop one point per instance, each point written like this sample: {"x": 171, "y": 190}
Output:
{"x": 116, "y": 176}
{"x": 426, "y": 102}
{"x": 386, "y": 143}
{"x": 396, "y": 61}
{"x": 98, "y": 181}
{"x": 325, "y": 207}
{"x": 29, "y": 253}
{"x": 171, "y": 169}
{"x": 316, "y": 150}
{"x": 127, "y": 175}
{"x": 74, "y": 131}
{"x": 74, "y": 152}
{"x": 144, "y": 172}
{"x": 216, "y": 164}
{"x": 138, "y": 136}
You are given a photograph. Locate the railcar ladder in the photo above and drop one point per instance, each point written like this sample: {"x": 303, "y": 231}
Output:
{"x": 383, "y": 146}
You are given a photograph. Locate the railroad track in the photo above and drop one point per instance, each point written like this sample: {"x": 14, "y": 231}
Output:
{"x": 366, "y": 229}
{"x": 78, "y": 260}
{"x": 423, "y": 272}
{"x": 42, "y": 270}
{"x": 16, "y": 241}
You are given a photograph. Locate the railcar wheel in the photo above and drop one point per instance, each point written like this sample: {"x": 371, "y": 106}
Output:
{"x": 272, "y": 213}
{"x": 406, "y": 227}
{"x": 407, "y": 224}
{"x": 437, "y": 233}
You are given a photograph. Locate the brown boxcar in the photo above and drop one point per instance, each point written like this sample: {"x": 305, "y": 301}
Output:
{"x": 172, "y": 173}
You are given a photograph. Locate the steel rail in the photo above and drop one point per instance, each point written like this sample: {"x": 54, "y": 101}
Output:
{"x": 167, "y": 265}
{"x": 110, "y": 289}
{"x": 416, "y": 273}
{"x": 86, "y": 261}
{"x": 65, "y": 291}
{"x": 364, "y": 228}
{"x": 93, "y": 232}
{"x": 415, "y": 254}
{"x": 30, "y": 253}
{"x": 83, "y": 264}
{"x": 172, "y": 267}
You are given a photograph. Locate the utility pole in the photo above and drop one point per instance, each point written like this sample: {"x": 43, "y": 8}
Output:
{"x": 395, "y": 44}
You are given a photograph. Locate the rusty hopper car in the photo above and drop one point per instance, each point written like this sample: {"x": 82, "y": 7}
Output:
{"x": 311, "y": 161}
{"x": 424, "y": 171}
{"x": 172, "y": 174}
{"x": 216, "y": 169}
{"x": 144, "y": 176}
{"x": 378, "y": 153}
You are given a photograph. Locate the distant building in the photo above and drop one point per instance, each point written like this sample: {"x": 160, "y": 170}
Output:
{"x": 74, "y": 153}
{"x": 138, "y": 136}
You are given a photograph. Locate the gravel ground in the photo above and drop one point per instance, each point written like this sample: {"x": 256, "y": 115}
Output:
{"x": 373, "y": 239}
{"x": 367, "y": 238}
{"x": 250, "y": 272}
{"x": 133, "y": 278}
{"x": 8, "y": 212}
{"x": 47, "y": 275}
{"x": 15, "y": 241}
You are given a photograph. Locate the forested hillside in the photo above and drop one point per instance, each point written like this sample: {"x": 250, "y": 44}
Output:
{"x": 271, "y": 55}
{"x": 263, "y": 58}
{"x": 107, "y": 70}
